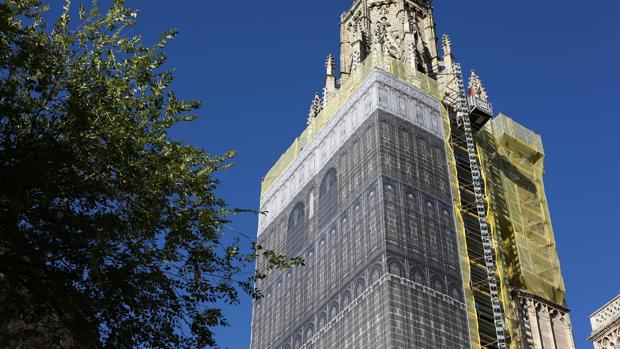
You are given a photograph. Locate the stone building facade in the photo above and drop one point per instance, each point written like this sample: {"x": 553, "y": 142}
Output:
{"x": 606, "y": 326}
{"x": 543, "y": 324}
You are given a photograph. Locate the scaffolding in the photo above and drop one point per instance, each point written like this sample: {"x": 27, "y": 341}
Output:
{"x": 512, "y": 162}
{"x": 478, "y": 241}
{"x": 462, "y": 235}
{"x": 503, "y": 226}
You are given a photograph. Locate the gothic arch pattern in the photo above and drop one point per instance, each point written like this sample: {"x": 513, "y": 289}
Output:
{"x": 328, "y": 197}
{"x": 308, "y": 331}
{"x": 296, "y": 230}
{"x": 345, "y": 299}
{"x": 417, "y": 275}
{"x": 438, "y": 284}
{"x": 395, "y": 268}
{"x": 333, "y": 310}
{"x": 375, "y": 273}
{"x": 322, "y": 321}
{"x": 360, "y": 285}
{"x": 297, "y": 341}
{"x": 455, "y": 291}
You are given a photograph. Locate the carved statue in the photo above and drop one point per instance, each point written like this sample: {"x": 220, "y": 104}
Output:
{"x": 383, "y": 39}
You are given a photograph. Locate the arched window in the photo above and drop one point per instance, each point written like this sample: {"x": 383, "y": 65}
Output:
{"x": 438, "y": 285}
{"x": 322, "y": 321}
{"x": 455, "y": 291}
{"x": 328, "y": 197}
{"x": 418, "y": 276}
{"x": 359, "y": 287}
{"x": 333, "y": 310}
{"x": 395, "y": 269}
{"x": 375, "y": 274}
{"x": 346, "y": 299}
{"x": 296, "y": 230}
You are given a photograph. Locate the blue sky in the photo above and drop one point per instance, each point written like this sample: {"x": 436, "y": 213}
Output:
{"x": 552, "y": 65}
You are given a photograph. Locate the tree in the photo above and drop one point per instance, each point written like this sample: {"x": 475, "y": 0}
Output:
{"x": 110, "y": 230}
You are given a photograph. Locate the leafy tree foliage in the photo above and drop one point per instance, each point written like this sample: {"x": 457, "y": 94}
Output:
{"x": 110, "y": 230}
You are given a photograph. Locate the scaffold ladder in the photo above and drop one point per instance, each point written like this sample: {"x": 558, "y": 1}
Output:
{"x": 464, "y": 121}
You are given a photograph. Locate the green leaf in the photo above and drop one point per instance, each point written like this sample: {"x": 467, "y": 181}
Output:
{"x": 114, "y": 227}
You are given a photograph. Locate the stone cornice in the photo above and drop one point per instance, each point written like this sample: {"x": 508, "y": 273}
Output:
{"x": 601, "y": 332}
{"x": 526, "y": 294}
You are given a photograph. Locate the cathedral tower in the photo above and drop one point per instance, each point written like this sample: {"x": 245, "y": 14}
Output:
{"x": 422, "y": 218}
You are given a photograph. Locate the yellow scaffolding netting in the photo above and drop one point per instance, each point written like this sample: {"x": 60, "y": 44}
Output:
{"x": 512, "y": 163}
{"x": 374, "y": 60}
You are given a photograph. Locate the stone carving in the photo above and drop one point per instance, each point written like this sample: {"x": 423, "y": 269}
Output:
{"x": 383, "y": 40}
{"x": 543, "y": 325}
{"x": 330, "y": 79}
{"x": 606, "y": 326}
{"x": 446, "y": 45}
{"x": 315, "y": 107}
{"x": 389, "y": 27}
{"x": 476, "y": 89}
{"x": 356, "y": 60}
{"x": 413, "y": 56}
{"x": 355, "y": 28}
{"x": 477, "y": 97}
{"x": 330, "y": 64}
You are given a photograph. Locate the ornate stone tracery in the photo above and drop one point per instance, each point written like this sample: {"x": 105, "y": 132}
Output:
{"x": 315, "y": 107}
{"x": 606, "y": 326}
{"x": 476, "y": 88}
{"x": 403, "y": 29}
{"x": 543, "y": 325}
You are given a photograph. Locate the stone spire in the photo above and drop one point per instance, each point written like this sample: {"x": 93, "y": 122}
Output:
{"x": 315, "y": 107}
{"x": 477, "y": 95}
{"x": 403, "y": 29}
{"x": 330, "y": 79}
{"x": 476, "y": 89}
{"x": 330, "y": 65}
{"x": 448, "y": 57}
{"x": 447, "y": 79}
{"x": 446, "y": 45}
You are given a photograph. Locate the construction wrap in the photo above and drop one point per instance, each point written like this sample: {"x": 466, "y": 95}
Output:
{"x": 518, "y": 212}
{"x": 426, "y": 84}
{"x": 374, "y": 60}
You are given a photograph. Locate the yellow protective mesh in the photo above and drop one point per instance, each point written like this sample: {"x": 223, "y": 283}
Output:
{"x": 472, "y": 314}
{"x": 374, "y": 60}
{"x": 512, "y": 162}
{"x": 501, "y": 258}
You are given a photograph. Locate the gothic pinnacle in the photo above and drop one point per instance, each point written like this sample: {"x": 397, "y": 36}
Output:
{"x": 315, "y": 107}
{"x": 476, "y": 88}
{"x": 330, "y": 79}
{"x": 330, "y": 64}
{"x": 446, "y": 44}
